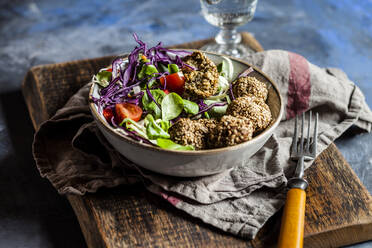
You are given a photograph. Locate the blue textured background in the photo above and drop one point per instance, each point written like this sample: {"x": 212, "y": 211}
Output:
{"x": 328, "y": 33}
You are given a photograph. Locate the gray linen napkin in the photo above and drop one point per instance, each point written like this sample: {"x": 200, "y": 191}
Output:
{"x": 71, "y": 152}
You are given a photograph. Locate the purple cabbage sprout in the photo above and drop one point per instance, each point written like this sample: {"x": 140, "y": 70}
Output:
{"x": 119, "y": 87}
{"x": 231, "y": 92}
{"x": 246, "y": 72}
{"x": 205, "y": 108}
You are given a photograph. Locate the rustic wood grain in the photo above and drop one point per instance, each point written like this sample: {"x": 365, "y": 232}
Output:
{"x": 339, "y": 208}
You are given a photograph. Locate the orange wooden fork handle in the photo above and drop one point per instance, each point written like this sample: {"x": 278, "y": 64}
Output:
{"x": 292, "y": 227}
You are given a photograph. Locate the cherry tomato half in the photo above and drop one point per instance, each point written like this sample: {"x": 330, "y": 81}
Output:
{"x": 108, "y": 114}
{"x": 175, "y": 82}
{"x": 127, "y": 110}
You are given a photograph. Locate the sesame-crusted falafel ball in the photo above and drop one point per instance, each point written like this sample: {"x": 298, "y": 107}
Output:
{"x": 191, "y": 132}
{"x": 208, "y": 123}
{"x": 202, "y": 82}
{"x": 231, "y": 131}
{"x": 249, "y": 86}
{"x": 252, "y": 108}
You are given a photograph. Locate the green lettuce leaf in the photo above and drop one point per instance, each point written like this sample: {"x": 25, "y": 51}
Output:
{"x": 171, "y": 106}
{"x": 222, "y": 68}
{"x": 190, "y": 107}
{"x": 217, "y": 111}
{"x": 154, "y": 130}
{"x": 170, "y": 145}
{"x": 104, "y": 78}
{"x": 147, "y": 70}
{"x": 150, "y": 106}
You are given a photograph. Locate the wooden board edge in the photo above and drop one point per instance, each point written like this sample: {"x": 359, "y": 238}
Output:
{"x": 357, "y": 179}
{"x": 77, "y": 61}
{"x": 360, "y": 227}
{"x": 30, "y": 88}
{"x": 248, "y": 38}
{"x": 333, "y": 238}
{"x": 87, "y": 222}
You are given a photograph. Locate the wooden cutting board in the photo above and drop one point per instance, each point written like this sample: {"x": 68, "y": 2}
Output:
{"x": 338, "y": 211}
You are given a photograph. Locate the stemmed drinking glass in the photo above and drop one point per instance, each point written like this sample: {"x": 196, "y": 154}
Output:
{"x": 228, "y": 15}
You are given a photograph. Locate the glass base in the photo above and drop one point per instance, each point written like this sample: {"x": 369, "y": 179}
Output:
{"x": 234, "y": 50}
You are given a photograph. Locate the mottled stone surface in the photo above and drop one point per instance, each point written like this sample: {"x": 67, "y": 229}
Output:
{"x": 327, "y": 32}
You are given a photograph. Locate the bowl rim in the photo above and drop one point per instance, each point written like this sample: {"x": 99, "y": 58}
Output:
{"x": 254, "y": 140}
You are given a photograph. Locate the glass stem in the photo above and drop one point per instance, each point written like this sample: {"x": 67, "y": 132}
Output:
{"x": 228, "y": 36}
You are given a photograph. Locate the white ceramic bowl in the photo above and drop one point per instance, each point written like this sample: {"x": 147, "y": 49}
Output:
{"x": 193, "y": 163}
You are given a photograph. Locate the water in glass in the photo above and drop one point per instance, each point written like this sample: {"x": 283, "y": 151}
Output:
{"x": 227, "y": 15}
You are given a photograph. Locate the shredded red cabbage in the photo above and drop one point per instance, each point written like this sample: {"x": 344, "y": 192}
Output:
{"x": 201, "y": 104}
{"x": 204, "y": 107}
{"x": 246, "y": 72}
{"x": 151, "y": 97}
{"x": 126, "y": 78}
{"x": 165, "y": 83}
{"x": 113, "y": 122}
{"x": 231, "y": 92}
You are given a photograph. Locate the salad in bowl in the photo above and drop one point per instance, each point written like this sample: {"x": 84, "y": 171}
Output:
{"x": 190, "y": 113}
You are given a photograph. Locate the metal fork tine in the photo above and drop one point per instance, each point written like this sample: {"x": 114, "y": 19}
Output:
{"x": 302, "y": 134}
{"x": 308, "y": 133}
{"x": 315, "y": 137}
{"x": 295, "y": 137}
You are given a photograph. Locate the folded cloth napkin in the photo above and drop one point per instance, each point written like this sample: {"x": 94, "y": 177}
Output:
{"x": 71, "y": 152}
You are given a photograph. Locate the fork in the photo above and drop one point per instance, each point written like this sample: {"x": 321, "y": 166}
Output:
{"x": 293, "y": 219}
